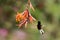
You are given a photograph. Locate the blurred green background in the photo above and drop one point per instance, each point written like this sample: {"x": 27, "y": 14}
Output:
{"x": 46, "y": 11}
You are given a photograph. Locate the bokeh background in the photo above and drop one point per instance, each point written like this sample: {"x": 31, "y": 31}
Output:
{"x": 46, "y": 11}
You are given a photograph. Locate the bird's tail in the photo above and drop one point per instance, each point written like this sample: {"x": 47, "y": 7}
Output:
{"x": 41, "y": 31}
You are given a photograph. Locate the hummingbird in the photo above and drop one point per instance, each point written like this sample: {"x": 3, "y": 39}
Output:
{"x": 39, "y": 27}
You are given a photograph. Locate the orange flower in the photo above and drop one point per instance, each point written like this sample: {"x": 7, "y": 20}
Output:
{"x": 22, "y": 23}
{"x": 24, "y": 18}
{"x": 31, "y": 18}
{"x": 25, "y": 14}
{"x": 18, "y": 17}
